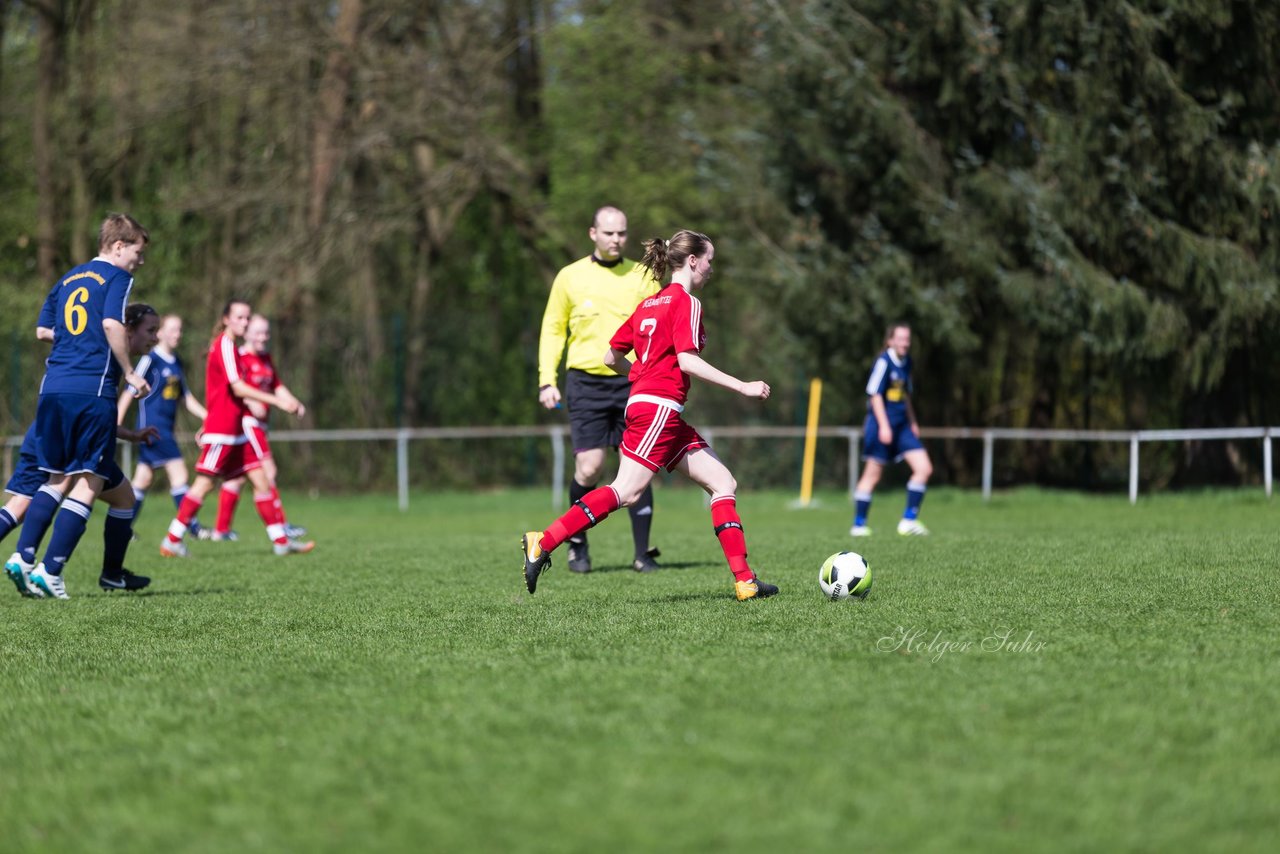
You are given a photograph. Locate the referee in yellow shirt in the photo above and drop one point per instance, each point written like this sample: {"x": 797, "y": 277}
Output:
{"x": 589, "y": 300}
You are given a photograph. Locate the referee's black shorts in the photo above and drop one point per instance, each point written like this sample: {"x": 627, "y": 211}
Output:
{"x": 597, "y": 409}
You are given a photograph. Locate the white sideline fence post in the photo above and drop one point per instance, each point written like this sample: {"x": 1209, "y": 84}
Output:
{"x": 402, "y": 468}
{"x": 853, "y": 464}
{"x": 1266, "y": 462}
{"x": 557, "y": 468}
{"x": 1133, "y": 469}
{"x": 988, "y": 461}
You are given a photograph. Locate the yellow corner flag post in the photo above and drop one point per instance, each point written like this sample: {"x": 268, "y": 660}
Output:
{"x": 810, "y": 442}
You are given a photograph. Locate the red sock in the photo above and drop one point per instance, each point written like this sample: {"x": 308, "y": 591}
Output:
{"x": 187, "y": 511}
{"x": 599, "y": 504}
{"x": 269, "y": 510}
{"x": 227, "y": 501}
{"x": 275, "y": 496}
{"x": 724, "y": 515}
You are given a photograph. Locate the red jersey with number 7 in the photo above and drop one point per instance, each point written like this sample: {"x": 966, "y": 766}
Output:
{"x": 662, "y": 326}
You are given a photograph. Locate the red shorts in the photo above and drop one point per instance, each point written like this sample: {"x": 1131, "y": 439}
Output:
{"x": 256, "y": 432}
{"x": 655, "y": 435}
{"x": 228, "y": 461}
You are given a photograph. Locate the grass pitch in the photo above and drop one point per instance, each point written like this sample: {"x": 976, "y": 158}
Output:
{"x": 1047, "y": 672}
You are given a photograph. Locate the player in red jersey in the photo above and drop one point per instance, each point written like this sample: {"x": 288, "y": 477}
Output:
{"x": 666, "y": 334}
{"x": 227, "y": 452}
{"x": 259, "y": 371}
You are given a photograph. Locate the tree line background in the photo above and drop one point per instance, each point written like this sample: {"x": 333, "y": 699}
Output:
{"x": 1073, "y": 202}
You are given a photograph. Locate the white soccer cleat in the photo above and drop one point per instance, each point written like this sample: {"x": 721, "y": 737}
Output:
{"x": 293, "y": 547}
{"x": 50, "y": 585}
{"x": 169, "y": 548}
{"x": 19, "y": 572}
{"x": 912, "y": 528}
{"x": 859, "y": 531}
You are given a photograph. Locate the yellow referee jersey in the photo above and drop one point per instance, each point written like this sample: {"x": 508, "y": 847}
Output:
{"x": 588, "y": 303}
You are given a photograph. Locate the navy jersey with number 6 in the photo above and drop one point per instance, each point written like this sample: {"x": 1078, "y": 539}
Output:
{"x": 81, "y": 361}
{"x": 891, "y": 378}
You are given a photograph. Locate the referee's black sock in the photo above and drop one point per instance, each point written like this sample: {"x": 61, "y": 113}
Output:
{"x": 576, "y": 492}
{"x": 642, "y": 520}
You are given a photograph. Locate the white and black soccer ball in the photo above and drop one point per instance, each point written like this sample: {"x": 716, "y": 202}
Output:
{"x": 845, "y": 574}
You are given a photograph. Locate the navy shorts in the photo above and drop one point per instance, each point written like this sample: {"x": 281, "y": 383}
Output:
{"x": 903, "y": 440}
{"x": 597, "y": 409}
{"x": 77, "y": 433}
{"x": 159, "y": 452}
{"x": 27, "y": 476}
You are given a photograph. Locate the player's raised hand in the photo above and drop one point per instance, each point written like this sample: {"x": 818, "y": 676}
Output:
{"x": 758, "y": 389}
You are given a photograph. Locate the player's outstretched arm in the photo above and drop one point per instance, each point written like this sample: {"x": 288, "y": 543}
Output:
{"x": 617, "y": 361}
{"x": 122, "y": 405}
{"x": 242, "y": 389}
{"x": 883, "y": 428}
{"x": 118, "y": 338}
{"x": 911, "y": 416}
{"x": 696, "y": 366}
{"x": 145, "y": 436}
{"x": 282, "y": 392}
{"x": 194, "y": 406}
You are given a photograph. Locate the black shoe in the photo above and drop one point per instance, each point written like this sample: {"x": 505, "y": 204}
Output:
{"x": 126, "y": 580}
{"x": 579, "y": 557}
{"x": 646, "y": 562}
{"x": 536, "y": 561}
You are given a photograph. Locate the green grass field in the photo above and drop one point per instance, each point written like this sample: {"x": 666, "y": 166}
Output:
{"x": 1047, "y": 672}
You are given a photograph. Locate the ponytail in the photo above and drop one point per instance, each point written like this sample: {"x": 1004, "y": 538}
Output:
{"x": 663, "y": 256}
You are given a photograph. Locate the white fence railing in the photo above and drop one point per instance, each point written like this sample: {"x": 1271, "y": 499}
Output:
{"x": 557, "y": 436}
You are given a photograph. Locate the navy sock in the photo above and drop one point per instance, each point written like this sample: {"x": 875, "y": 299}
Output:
{"x": 116, "y": 533}
{"x": 138, "y": 496}
{"x": 915, "y": 497}
{"x": 39, "y": 517}
{"x": 7, "y": 523}
{"x": 862, "y": 506}
{"x": 576, "y": 493}
{"x": 68, "y": 528}
{"x": 642, "y": 520}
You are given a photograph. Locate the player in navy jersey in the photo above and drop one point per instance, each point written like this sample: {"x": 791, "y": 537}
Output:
{"x": 76, "y": 415}
{"x": 29, "y": 480}
{"x": 891, "y": 434}
{"x": 665, "y": 333}
{"x": 159, "y": 408}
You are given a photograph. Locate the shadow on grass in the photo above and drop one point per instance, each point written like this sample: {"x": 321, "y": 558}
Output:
{"x": 147, "y": 594}
{"x": 708, "y": 596}
{"x": 662, "y": 567}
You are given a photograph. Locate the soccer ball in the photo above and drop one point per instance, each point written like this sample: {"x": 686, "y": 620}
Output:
{"x": 843, "y": 575}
